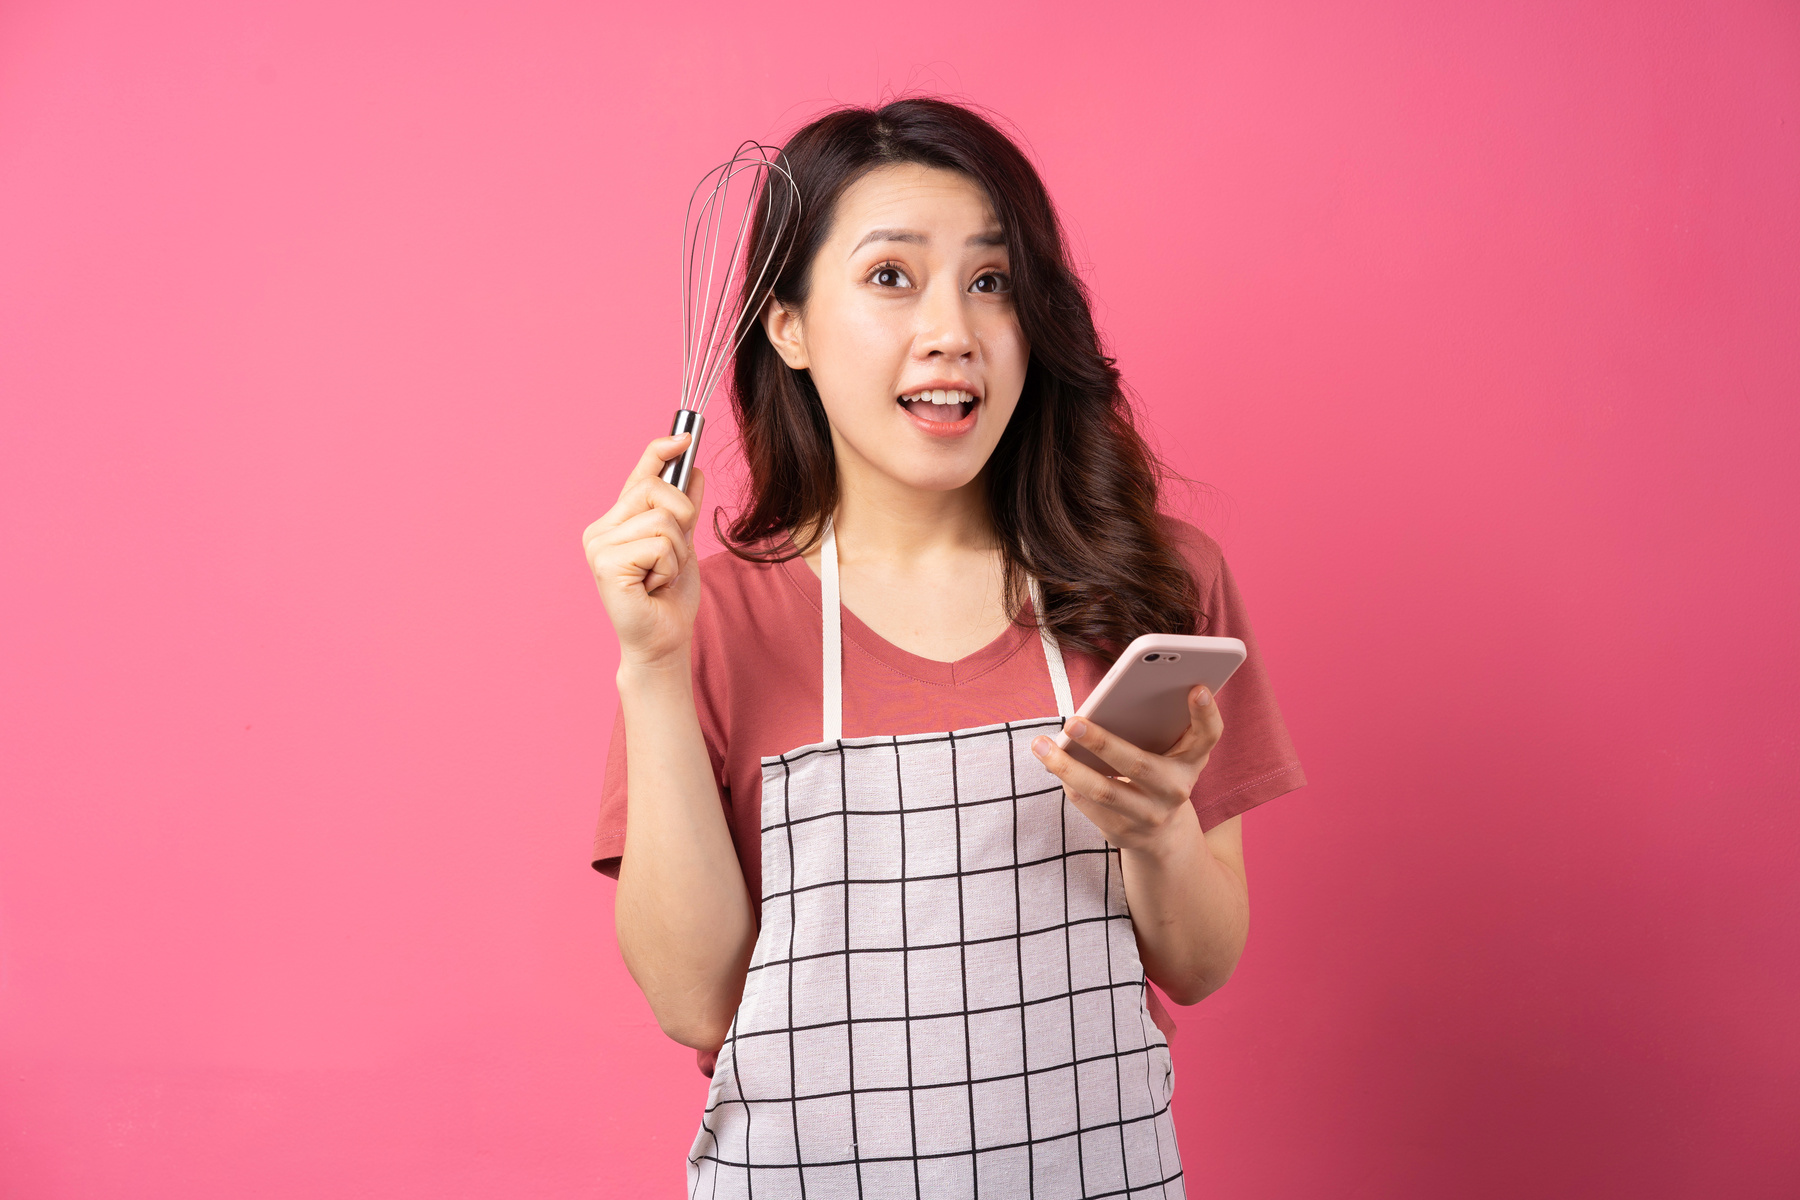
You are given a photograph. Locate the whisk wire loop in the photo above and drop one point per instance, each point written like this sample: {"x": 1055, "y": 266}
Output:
{"x": 721, "y": 297}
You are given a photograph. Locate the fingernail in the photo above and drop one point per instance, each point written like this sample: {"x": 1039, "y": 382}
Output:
{"x": 1040, "y": 746}
{"x": 1205, "y": 697}
{"x": 1076, "y": 727}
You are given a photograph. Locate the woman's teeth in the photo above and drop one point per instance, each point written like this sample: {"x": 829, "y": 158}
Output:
{"x": 939, "y": 404}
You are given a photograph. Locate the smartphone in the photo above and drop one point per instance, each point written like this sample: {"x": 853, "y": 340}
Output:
{"x": 1143, "y": 699}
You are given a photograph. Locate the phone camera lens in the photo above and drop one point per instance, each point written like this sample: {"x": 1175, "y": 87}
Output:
{"x": 1151, "y": 657}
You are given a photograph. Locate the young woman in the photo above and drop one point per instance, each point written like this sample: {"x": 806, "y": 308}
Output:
{"x": 907, "y": 934}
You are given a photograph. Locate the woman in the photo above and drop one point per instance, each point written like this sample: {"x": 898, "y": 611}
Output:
{"x": 952, "y": 526}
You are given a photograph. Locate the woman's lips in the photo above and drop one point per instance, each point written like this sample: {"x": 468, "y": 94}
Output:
{"x": 941, "y": 428}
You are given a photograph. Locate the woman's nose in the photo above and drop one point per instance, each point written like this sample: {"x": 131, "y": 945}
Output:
{"x": 944, "y": 326}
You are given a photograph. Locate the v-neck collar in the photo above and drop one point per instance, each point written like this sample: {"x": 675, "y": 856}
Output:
{"x": 927, "y": 670}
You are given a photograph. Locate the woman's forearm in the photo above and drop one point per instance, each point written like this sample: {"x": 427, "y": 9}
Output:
{"x": 683, "y": 913}
{"x": 1191, "y": 910}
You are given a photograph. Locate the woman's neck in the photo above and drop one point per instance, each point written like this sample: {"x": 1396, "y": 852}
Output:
{"x": 884, "y": 519}
{"x": 921, "y": 568}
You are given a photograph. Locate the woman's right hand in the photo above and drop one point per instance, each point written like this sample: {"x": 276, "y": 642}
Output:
{"x": 642, "y": 556}
{"x": 685, "y": 922}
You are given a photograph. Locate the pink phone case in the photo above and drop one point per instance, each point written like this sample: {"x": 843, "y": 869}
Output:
{"x": 1143, "y": 699}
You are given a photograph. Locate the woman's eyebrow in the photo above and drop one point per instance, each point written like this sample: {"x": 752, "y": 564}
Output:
{"x": 991, "y": 237}
{"x": 890, "y": 235}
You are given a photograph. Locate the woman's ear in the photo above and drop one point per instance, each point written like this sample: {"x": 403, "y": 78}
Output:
{"x": 782, "y": 324}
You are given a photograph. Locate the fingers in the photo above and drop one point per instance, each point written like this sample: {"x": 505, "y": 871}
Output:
{"x": 1082, "y": 782}
{"x": 652, "y": 492}
{"x": 649, "y": 563}
{"x": 1151, "y": 784}
{"x": 653, "y": 528}
{"x": 1205, "y": 726}
{"x": 646, "y": 492}
{"x": 646, "y": 540}
{"x": 658, "y": 452}
{"x": 639, "y": 484}
{"x": 652, "y": 522}
{"x": 1117, "y": 753}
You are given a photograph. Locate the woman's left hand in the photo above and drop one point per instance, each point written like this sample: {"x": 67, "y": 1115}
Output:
{"x": 1134, "y": 812}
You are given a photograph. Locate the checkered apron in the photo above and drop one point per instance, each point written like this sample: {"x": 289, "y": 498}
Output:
{"x": 945, "y": 997}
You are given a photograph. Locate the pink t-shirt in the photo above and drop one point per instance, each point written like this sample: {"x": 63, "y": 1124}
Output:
{"x": 757, "y": 653}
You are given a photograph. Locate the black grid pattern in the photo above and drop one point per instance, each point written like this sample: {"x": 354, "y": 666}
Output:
{"x": 945, "y": 998}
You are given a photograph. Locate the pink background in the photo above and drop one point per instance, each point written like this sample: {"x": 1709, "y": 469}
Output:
{"x": 326, "y": 327}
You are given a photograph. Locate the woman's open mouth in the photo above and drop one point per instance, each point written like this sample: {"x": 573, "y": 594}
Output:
{"x": 941, "y": 412}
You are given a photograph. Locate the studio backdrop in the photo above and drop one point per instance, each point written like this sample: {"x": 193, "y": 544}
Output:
{"x": 325, "y": 328}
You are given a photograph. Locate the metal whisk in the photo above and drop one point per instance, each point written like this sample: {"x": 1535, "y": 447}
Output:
{"x": 722, "y": 296}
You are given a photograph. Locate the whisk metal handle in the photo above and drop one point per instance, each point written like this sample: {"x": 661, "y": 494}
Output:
{"x": 676, "y": 470}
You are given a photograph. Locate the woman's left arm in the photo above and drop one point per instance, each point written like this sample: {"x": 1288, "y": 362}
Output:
{"x": 1190, "y": 902}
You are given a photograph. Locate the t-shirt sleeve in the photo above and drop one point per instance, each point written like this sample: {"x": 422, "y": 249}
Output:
{"x": 1254, "y": 760}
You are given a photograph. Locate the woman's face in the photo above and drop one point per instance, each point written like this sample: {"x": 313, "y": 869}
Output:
{"x": 909, "y": 329}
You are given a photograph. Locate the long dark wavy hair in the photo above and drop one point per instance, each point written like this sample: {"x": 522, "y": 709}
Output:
{"x": 1072, "y": 486}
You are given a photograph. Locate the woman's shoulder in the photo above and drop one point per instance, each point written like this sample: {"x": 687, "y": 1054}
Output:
{"x": 728, "y": 577}
{"x": 729, "y": 568}
{"x": 743, "y": 600}
{"x": 756, "y": 650}
{"x": 1203, "y": 555}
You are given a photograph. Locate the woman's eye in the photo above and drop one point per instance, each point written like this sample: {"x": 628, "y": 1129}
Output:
{"x": 993, "y": 281}
{"x": 889, "y": 277}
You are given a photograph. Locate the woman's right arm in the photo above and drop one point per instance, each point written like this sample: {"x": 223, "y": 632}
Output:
{"x": 683, "y": 913}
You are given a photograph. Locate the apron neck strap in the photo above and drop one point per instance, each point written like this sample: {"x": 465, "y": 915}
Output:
{"x": 834, "y": 636}
{"x": 830, "y": 603}
{"x": 1059, "y": 674}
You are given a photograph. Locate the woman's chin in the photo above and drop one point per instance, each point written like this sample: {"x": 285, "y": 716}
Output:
{"x": 939, "y": 476}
